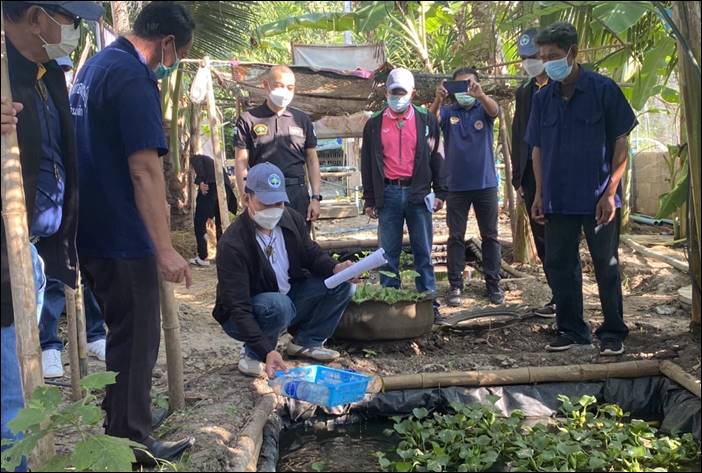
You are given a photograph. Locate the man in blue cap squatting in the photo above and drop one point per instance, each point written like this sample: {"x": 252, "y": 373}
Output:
{"x": 270, "y": 277}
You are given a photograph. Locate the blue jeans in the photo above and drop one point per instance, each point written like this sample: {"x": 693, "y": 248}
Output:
{"x": 12, "y": 398}
{"x": 391, "y": 220}
{"x": 310, "y": 312}
{"x": 54, "y": 303}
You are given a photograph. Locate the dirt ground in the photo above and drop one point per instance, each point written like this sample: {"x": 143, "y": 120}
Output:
{"x": 220, "y": 400}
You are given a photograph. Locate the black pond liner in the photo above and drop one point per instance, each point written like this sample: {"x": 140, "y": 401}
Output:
{"x": 647, "y": 398}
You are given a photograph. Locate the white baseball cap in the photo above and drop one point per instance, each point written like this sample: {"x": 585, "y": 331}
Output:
{"x": 400, "y": 78}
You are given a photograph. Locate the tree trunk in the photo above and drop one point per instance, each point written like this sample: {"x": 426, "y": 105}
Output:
{"x": 686, "y": 16}
{"x": 120, "y": 17}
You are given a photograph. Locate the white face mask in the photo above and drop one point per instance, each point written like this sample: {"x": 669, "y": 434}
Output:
{"x": 70, "y": 37}
{"x": 281, "y": 97}
{"x": 533, "y": 67}
{"x": 268, "y": 218}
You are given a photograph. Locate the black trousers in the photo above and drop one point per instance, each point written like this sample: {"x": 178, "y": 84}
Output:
{"x": 458, "y": 204}
{"x": 128, "y": 293}
{"x": 563, "y": 233}
{"x": 299, "y": 199}
{"x": 537, "y": 230}
{"x": 206, "y": 207}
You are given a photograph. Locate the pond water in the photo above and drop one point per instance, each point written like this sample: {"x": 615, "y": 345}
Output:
{"x": 341, "y": 448}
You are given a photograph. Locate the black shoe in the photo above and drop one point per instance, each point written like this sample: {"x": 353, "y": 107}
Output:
{"x": 611, "y": 347}
{"x": 548, "y": 311}
{"x": 454, "y": 297}
{"x": 162, "y": 450}
{"x": 496, "y": 296}
{"x": 562, "y": 343}
{"x": 158, "y": 415}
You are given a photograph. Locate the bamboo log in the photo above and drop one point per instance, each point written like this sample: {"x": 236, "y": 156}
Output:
{"x": 70, "y": 294}
{"x": 244, "y": 455}
{"x": 526, "y": 375}
{"x": 684, "y": 379}
{"x": 369, "y": 243}
{"x": 675, "y": 263}
{"x": 19, "y": 260}
{"x": 217, "y": 149}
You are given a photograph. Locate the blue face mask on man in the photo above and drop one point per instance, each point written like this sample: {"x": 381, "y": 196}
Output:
{"x": 464, "y": 100}
{"x": 558, "y": 69}
{"x": 162, "y": 71}
{"x": 399, "y": 103}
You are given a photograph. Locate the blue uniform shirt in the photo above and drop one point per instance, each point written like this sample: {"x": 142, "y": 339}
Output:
{"x": 116, "y": 107}
{"x": 51, "y": 182}
{"x": 470, "y": 161}
{"x": 577, "y": 138}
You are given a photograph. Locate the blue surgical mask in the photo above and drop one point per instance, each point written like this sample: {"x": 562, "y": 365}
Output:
{"x": 162, "y": 71}
{"x": 399, "y": 103}
{"x": 558, "y": 69}
{"x": 464, "y": 100}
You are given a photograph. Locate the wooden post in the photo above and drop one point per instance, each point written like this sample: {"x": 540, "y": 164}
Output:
{"x": 217, "y": 148}
{"x": 76, "y": 391}
{"x": 19, "y": 260}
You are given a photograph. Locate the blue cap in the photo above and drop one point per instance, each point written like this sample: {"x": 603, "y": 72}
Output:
{"x": 268, "y": 183}
{"x": 86, "y": 10}
{"x": 526, "y": 44}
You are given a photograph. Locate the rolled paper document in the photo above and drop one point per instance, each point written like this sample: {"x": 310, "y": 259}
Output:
{"x": 369, "y": 263}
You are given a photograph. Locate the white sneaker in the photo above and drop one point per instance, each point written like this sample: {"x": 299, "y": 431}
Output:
{"x": 97, "y": 349}
{"x": 315, "y": 353}
{"x": 51, "y": 364}
{"x": 250, "y": 367}
{"x": 199, "y": 262}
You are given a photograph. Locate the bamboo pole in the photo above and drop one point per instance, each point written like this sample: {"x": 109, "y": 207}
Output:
{"x": 217, "y": 149}
{"x": 70, "y": 294}
{"x": 244, "y": 455}
{"x": 174, "y": 356}
{"x": 527, "y": 375}
{"x": 506, "y": 150}
{"x": 675, "y": 263}
{"x": 19, "y": 260}
{"x": 171, "y": 335}
{"x": 81, "y": 329}
{"x": 677, "y": 374}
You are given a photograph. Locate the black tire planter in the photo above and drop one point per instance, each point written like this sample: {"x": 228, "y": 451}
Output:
{"x": 376, "y": 321}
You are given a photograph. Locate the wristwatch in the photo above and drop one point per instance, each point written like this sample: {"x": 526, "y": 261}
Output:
{"x": 316, "y": 197}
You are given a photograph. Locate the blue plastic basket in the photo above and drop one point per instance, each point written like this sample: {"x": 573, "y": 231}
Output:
{"x": 344, "y": 387}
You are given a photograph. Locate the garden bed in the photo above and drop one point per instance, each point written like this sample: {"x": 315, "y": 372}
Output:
{"x": 301, "y": 437}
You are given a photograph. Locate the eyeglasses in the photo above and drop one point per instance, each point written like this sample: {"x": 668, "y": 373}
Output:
{"x": 60, "y": 11}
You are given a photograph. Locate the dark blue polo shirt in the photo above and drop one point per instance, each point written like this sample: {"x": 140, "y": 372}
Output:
{"x": 577, "y": 138}
{"x": 470, "y": 161}
{"x": 117, "y": 111}
{"x": 51, "y": 181}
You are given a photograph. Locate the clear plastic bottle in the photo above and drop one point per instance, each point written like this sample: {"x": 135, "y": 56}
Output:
{"x": 302, "y": 390}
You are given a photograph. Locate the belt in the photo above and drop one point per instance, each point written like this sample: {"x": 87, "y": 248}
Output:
{"x": 399, "y": 182}
{"x": 294, "y": 181}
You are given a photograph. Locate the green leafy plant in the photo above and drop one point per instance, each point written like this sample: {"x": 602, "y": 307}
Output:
{"x": 43, "y": 415}
{"x": 476, "y": 437}
{"x": 389, "y": 295}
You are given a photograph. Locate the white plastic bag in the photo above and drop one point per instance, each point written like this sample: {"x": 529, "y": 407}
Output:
{"x": 198, "y": 89}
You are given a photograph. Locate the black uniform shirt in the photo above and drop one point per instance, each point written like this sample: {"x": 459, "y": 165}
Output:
{"x": 281, "y": 140}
